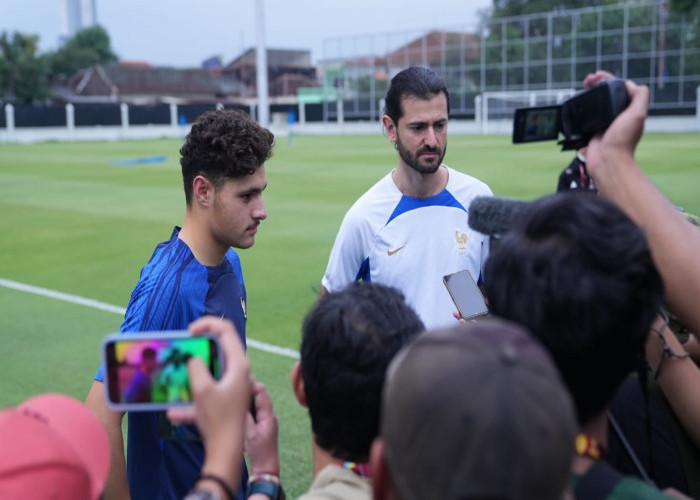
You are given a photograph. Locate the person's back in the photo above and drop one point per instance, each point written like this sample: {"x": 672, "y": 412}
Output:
{"x": 578, "y": 273}
{"x": 348, "y": 340}
{"x": 349, "y": 337}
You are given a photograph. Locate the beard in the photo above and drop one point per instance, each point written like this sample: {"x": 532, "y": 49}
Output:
{"x": 416, "y": 162}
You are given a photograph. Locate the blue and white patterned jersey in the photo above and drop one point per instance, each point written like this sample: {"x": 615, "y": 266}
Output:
{"x": 411, "y": 243}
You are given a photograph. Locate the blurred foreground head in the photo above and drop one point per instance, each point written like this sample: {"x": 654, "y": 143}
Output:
{"x": 349, "y": 339}
{"x": 476, "y": 411}
{"x": 52, "y": 447}
{"x": 578, "y": 273}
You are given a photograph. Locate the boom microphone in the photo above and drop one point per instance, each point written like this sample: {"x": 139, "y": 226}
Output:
{"x": 491, "y": 215}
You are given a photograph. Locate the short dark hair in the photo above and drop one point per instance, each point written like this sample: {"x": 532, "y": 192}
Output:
{"x": 148, "y": 353}
{"x": 415, "y": 81}
{"x": 223, "y": 144}
{"x": 349, "y": 339}
{"x": 578, "y": 273}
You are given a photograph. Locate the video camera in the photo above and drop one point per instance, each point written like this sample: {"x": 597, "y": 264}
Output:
{"x": 578, "y": 118}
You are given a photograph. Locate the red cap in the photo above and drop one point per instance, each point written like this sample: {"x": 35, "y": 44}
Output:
{"x": 52, "y": 447}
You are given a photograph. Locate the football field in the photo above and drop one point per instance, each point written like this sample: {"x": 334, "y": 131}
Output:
{"x": 78, "y": 221}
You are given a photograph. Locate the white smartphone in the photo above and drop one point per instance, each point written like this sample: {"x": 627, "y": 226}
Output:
{"x": 147, "y": 371}
{"x": 466, "y": 294}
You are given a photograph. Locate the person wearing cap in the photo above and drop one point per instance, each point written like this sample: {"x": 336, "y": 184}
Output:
{"x": 195, "y": 273}
{"x": 472, "y": 412}
{"x": 52, "y": 448}
{"x": 593, "y": 296}
{"x": 348, "y": 339}
{"x": 410, "y": 229}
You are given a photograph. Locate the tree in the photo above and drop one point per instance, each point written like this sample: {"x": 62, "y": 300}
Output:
{"x": 90, "y": 46}
{"x": 684, "y": 6}
{"x": 22, "y": 70}
{"x": 507, "y": 8}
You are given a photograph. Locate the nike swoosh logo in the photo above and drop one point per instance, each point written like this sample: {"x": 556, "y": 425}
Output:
{"x": 392, "y": 252}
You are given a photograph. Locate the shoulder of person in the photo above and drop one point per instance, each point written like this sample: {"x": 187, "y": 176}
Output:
{"x": 334, "y": 483}
{"x": 461, "y": 181}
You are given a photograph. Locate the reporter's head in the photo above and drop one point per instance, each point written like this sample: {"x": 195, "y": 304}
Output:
{"x": 577, "y": 272}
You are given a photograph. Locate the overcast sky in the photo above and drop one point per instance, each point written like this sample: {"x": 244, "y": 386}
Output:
{"x": 183, "y": 33}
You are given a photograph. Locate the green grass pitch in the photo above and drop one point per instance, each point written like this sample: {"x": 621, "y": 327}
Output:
{"x": 71, "y": 221}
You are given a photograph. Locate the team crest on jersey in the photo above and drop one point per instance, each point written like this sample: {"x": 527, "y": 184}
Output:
{"x": 461, "y": 239}
{"x": 243, "y": 306}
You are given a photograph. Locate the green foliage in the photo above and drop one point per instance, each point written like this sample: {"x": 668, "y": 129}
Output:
{"x": 89, "y": 47}
{"x": 684, "y": 6}
{"x": 507, "y": 8}
{"x": 22, "y": 71}
{"x": 518, "y": 49}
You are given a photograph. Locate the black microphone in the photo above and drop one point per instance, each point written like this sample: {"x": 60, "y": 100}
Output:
{"x": 491, "y": 215}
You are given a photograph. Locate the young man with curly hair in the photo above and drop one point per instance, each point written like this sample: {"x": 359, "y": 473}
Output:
{"x": 194, "y": 273}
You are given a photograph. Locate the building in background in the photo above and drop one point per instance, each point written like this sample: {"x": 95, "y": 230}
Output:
{"x": 77, "y": 14}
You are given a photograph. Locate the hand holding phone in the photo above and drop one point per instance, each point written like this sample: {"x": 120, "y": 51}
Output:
{"x": 147, "y": 371}
{"x": 466, "y": 294}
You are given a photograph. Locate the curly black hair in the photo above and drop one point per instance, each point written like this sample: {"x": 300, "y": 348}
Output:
{"x": 223, "y": 144}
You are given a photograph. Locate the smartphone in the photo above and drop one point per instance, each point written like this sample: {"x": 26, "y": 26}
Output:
{"x": 147, "y": 371}
{"x": 466, "y": 294}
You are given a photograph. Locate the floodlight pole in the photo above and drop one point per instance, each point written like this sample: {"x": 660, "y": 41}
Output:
{"x": 261, "y": 65}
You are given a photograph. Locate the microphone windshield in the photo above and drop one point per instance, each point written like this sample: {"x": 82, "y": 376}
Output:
{"x": 491, "y": 215}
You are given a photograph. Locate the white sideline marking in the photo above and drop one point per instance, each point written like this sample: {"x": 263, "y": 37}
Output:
{"x": 95, "y": 304}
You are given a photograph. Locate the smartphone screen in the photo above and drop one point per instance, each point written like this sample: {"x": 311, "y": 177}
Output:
{"x": 148, "y": 371}
{"x": 465, "y": 294}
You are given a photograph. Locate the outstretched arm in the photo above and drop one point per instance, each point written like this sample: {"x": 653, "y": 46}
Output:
{"x": 674, "y": 242}
{"x": 678, "y": 377}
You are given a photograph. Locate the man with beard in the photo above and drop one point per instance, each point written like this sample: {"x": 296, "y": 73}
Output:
{"x": 410, "y": 229}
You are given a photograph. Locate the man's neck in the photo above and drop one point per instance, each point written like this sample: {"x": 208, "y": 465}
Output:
{"x": 197, "y": 237}
{"x": 418, "y": 185}
{"x": 321, "y": 458}
{"x": 598, "y": 430}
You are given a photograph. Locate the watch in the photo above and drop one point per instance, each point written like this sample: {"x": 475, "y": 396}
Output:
{"x": 271, "y": 489}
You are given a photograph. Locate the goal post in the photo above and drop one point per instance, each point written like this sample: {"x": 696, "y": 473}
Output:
{"x": 501, "y": 106}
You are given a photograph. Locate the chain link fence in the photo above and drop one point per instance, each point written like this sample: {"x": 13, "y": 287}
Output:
{"x": 643, "y": 41}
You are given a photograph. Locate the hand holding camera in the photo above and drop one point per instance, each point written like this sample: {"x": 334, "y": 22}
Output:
{"x": 578, "y": 119}
{"x": 615, "y": 147}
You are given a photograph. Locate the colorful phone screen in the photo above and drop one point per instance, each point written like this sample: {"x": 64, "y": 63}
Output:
{"x": 150, "y": 372}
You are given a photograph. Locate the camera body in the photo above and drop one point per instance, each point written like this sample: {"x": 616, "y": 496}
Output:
{"x": 578, "y": 119}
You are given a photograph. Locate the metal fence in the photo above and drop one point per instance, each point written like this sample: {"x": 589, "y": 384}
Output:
{"x": 643, "y": 41}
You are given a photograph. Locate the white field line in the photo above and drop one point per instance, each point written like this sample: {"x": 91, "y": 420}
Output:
{"x": 75, "y": 299}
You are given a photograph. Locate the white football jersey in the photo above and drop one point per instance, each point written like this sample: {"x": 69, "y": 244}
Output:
{"x": 410, "y": 244}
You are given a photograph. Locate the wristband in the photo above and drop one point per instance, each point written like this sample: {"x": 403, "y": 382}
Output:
{"x": 265, "y": 484}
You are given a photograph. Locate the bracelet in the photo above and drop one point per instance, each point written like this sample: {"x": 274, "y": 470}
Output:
{"x": 666, "y": 350}
{"x": 227, "y": 489}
